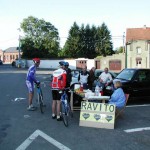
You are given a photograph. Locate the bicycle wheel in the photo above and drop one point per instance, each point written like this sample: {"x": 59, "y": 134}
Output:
{"x": 40, "y": 99}
{"x": 64, "y": 114}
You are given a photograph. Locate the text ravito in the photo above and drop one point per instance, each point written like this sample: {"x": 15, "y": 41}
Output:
{"x": 97, "y": 107}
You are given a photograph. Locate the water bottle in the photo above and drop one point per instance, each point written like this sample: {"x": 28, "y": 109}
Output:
{"x": 97, "y": 90}
{"x": 101, "y": 91}
{"x": 81, "y": 87}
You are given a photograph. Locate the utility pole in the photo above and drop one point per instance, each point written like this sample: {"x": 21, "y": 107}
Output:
{"x": 123, "y": 42}
{"x": 19, "y": 58}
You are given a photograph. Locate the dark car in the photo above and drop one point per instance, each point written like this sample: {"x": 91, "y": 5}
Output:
{"x": 135, "y": 82}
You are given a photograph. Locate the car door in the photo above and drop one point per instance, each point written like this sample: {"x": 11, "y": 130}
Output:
{"x": 141, "y": 84}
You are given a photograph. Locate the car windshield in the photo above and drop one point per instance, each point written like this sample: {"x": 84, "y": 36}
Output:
{"x": 126, "y": 74}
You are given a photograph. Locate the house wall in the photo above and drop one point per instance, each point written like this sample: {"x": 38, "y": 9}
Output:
{"x": 132, "y": 54}
{"x": 54, "y": 64}
{"x": 104, "y": 61}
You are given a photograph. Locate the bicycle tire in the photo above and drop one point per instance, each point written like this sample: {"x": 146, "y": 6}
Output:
{"x": 41, "y": 103}
{"x": 64, "y": 115}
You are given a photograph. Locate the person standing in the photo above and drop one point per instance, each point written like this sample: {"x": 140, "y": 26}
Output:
{"x": 84, "y": 77}
{"x": 30, "y": 80}
{"x": 91, "y": 77}
{"x": 69, "y": 76}
{"x": 58, "y": 84}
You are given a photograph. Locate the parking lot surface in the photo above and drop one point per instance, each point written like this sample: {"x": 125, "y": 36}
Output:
{"x": 22, "y": 129}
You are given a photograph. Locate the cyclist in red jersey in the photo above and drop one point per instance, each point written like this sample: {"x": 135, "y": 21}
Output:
{"x": 58, "y": 83}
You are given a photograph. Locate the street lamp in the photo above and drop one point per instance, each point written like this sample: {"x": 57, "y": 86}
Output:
{"x": 19, "y": 58}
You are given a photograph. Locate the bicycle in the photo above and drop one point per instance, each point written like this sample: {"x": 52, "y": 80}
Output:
{"x": 65, "y": 107}
{"x": 40, "y": 98}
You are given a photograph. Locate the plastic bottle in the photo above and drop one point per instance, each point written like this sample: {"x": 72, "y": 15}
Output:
{"x": 81, "y": 87}
{"x": 101, "y": 91}
{"x": 97, "y": 90}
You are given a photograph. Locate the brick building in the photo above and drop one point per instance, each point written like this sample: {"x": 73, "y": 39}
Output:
{"x": 9, "y": 55}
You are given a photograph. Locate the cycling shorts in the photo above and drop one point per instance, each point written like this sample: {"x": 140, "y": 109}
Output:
{"x": 56, "y": 95}
{"x": 30, "y": 86}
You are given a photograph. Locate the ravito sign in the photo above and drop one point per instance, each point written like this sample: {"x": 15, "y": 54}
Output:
{"x": 98, "y": 115}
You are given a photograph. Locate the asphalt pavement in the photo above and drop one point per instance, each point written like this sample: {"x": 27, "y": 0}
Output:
{"x": 21, "y": 129}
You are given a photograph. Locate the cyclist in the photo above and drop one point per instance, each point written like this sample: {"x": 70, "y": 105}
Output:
{"x": 30, "y": 80}
{"x": 58, "y": 83}
{"x": 69, "y": 76}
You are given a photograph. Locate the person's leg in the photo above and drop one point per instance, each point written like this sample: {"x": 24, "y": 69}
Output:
{"x": 54, "y": 109}
{"x": 58, "y": 108}
{"x": 31, "y": 95}
{"x": 54, "y": 102}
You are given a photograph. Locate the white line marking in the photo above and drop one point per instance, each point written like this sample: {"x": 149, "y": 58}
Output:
{"x": 137, "y": 129}
{"x": 37, "y": 133}
{"x": 19, "y": 99}
{"x": 138, "y": 105}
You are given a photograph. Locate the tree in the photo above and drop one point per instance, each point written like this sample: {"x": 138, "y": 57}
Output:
{"x": 41, "y": 38}
{"x": 103, "y": 41}
{"x": 71, "y": 49}
{"x": 119, "y": 50}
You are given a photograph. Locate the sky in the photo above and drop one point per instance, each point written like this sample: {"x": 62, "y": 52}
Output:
{"x": 118, "y": 15}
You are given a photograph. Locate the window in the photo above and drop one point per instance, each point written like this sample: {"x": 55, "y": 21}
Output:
{"x": 138, "y": 50}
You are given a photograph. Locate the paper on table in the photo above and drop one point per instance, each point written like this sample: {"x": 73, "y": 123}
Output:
{"x": 99, "y": 97}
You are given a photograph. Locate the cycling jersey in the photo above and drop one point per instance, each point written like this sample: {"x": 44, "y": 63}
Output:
{"x": 31, "y": 74}
{"x": 59, "y": 79}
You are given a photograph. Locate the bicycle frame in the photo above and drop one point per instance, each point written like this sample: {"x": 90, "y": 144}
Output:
{"x": 66, "y": 109}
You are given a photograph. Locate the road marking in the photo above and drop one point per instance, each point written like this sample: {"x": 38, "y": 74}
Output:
{"x": 139, "y": 105}
{"x": 19, "y": 99}
{"x": 137, "y": 129}
{"x": 37, "y": 133}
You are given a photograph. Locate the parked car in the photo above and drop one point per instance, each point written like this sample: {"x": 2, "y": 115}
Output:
{"x": 135, "y": 82}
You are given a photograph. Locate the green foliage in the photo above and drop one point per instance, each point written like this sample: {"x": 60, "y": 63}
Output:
{"x": 88, "y": 42}
{"x": 119, "y": 50}
{"x": 41, "y": 38}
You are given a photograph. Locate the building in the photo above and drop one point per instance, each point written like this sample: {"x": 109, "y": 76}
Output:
{"x": 9, "y": 55}
{"x": 138, "y": 47}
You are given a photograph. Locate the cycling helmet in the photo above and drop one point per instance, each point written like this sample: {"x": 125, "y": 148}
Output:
{"x": 62, "y": 63}
{"x": 66, "y": 64}
{"x": 36, "y": 60}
